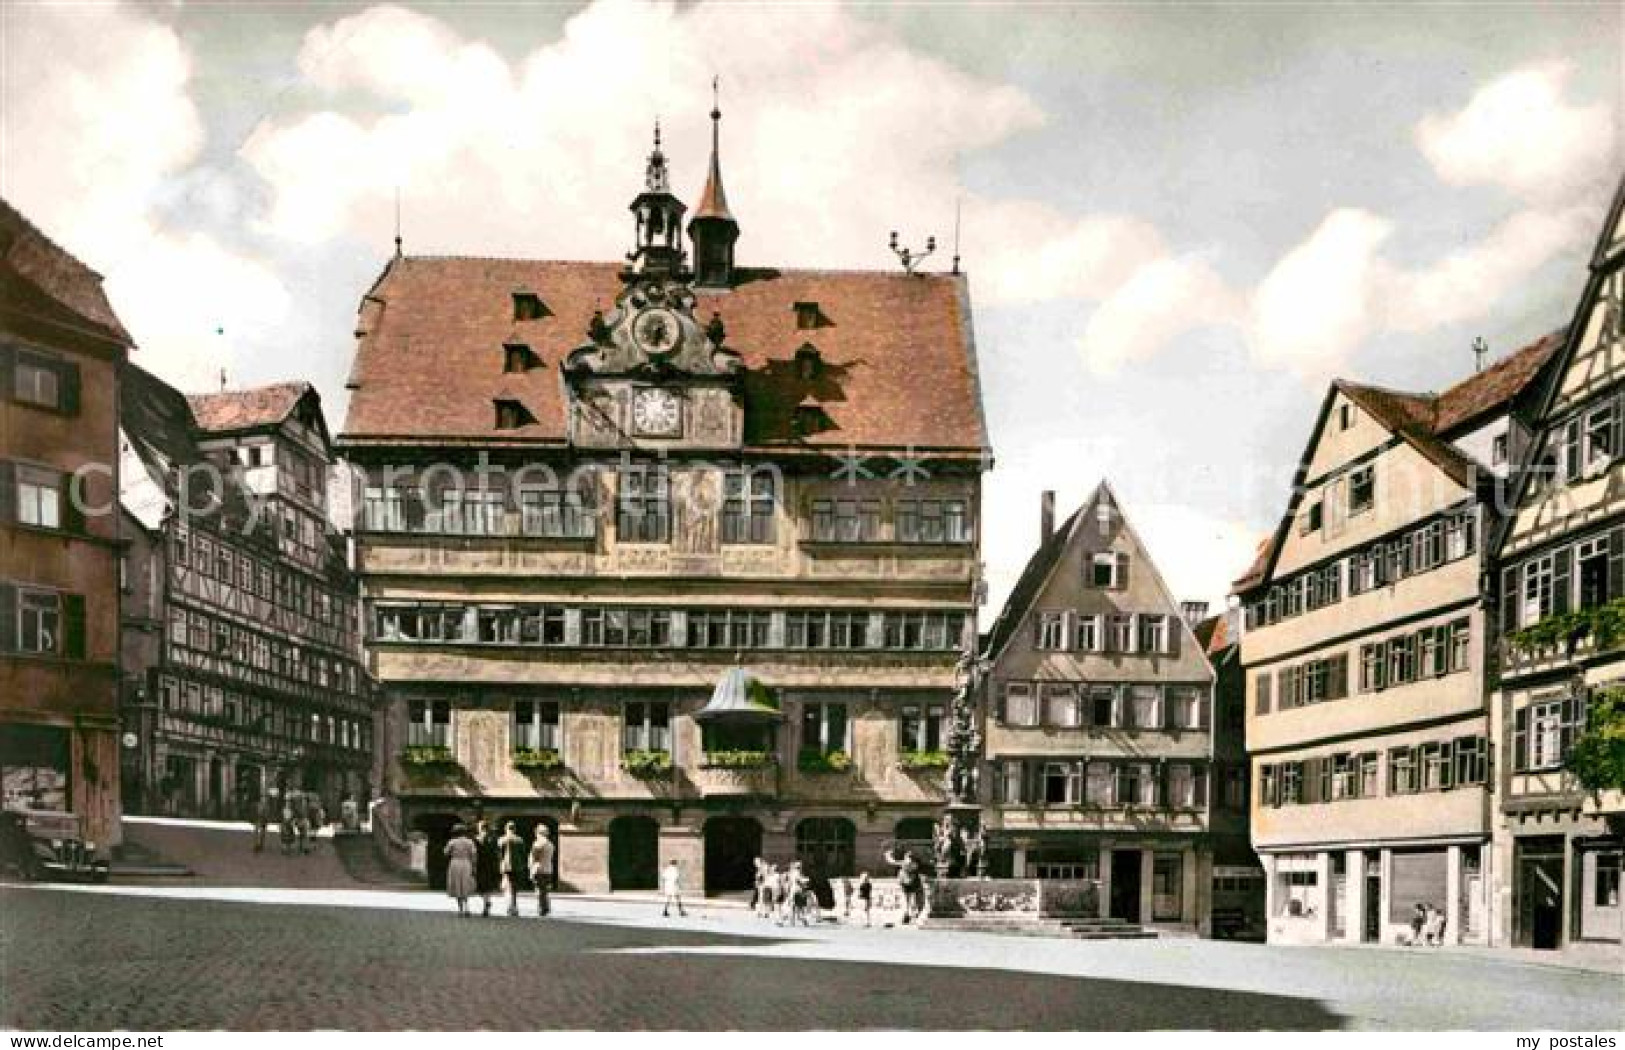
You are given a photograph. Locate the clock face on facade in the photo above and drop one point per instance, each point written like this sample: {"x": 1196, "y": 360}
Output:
{"x": 656, "y": 331}
{"x": 657, "y": 413}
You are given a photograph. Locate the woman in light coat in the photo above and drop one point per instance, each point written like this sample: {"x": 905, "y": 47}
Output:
{"x": 460, "y": 853}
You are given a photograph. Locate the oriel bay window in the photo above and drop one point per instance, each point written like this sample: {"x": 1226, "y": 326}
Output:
{"x": 646, "y": 726}
{"x": 536, "y": 725}
{"x": 747, "y": 506}
{"x": 428, "y": 723}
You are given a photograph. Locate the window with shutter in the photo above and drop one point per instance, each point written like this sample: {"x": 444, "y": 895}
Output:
{"x": 1261, "y": 693}
{"x": 8, "y": 618}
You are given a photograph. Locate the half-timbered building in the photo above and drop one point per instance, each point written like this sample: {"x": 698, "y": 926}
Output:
{"x": 241, "y": 638}
{"x": 1561, "y": 595}
{"x": 674, "y": 559}
{"x": 1098, "y": 741}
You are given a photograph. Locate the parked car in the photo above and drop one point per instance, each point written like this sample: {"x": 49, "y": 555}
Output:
{"x": 46, "y": 844}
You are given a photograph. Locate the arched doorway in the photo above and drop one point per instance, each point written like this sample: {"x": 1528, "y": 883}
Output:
{"x": 732, "y": 845}
{"x": 634, "y": 853}
{"x": 437, "y": 827}
{"x": 825, "y": 846}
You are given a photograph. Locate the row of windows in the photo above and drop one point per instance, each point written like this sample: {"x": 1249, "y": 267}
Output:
{"x": 643, "y": 512}
{"x": 825, "y": 727}
{"x": 1586, "y": 574}
{"x": 1417, "y": 551}
{"x": 1068, "y": 631}
{"x": 1436, "y": 766}
{"x": 275, "y": 655}
{"x": 1100, "y": 782}
{"x": 1069, "y": 705}
{"x": 227, "y": 708}
{"x": 611, "y": 627}
{"x": 1429, "y": 653}
{"x": 261, "y": 577}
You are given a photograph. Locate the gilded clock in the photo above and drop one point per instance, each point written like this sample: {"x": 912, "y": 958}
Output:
{"x": 656, "y": 331}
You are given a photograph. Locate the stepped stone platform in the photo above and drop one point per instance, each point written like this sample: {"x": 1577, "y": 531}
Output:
{"x": 1026, "y": 907}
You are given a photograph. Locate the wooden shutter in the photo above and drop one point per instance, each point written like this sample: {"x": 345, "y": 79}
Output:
{"x": 1618, "y": 428}
{"x": 73, "y": 626}
{"x": 8, "y": 491}
{"x": 67, "y": 373}
{"x": 1616, "y": 563}
{"x": 1122, "y": 571}
{"x": 1447, "y": 754}
{"x": 1261, "y": 693}
{"x": 1204, "y": 709}
{"x": 1171, "y": 636}
{"x": 8, "y": 373}
{"x": 1562, "y": 560}
{"x": 1571, "y": 450}
{"x": 8, "y": 618}
{"x": 1520, "y": 739}
{"x": 73, "y": 515}
{"x": 1337, "y": 677}
{"x": 1509, "y": 600}
{"x": 1199, "y": 778}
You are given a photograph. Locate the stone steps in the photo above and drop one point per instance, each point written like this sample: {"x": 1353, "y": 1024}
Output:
{"x": 1076, "y": 929}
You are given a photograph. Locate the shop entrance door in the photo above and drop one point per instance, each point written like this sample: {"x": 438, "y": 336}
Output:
{"x": 1125, "y": 902}
{"x": 1540, "y": 894}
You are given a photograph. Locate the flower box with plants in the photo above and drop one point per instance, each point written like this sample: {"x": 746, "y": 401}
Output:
{"x": 434, "y": 756}
{"x": 923, "y": 761}
{"x": 1603, "y": 626}
{"x": 647, "y": 763}
{"x": 537, "y": 760}
{"x": 824, "y": 762}
{"x": 739, "y": 759}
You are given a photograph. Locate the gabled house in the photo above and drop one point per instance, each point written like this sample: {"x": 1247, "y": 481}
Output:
{"x": 1364, "y": 653}
{"x": 1561, "y": 586}
{"x": 1098, "y": 735}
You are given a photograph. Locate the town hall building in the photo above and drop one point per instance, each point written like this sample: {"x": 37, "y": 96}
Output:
{"x": 675, "y": 556}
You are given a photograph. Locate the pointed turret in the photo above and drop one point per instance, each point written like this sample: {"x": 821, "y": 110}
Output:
{"x": 713, "y": 229}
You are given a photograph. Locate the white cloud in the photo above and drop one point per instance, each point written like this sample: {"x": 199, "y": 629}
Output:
{"x": 1520, "y": 133}
{"x": 521, "y": 159}
{"x": 99, "y": 94}
{"x": 1318, "y": 302}
{"x": 1163, "y": 299}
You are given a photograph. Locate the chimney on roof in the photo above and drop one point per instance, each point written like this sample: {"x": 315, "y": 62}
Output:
{"x": 1046, "y": 516}
{"x": 1481, "y": 350}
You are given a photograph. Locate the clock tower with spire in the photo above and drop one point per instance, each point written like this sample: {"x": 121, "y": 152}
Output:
{"x": 713, "y": 228}
{"x": 659, "y": 215}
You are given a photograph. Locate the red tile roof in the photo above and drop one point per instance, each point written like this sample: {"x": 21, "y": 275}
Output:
{"x": 1487, "y": 391}
{"x": 899, "y": 365}
{"x": 247, "y": 409}
{"x": 40, "y": 261}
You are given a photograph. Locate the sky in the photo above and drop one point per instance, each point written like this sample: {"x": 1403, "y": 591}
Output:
{"x": 1179, "y": 221}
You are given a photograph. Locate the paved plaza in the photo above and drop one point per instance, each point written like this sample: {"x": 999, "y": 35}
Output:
{"x": 191, "y": 957}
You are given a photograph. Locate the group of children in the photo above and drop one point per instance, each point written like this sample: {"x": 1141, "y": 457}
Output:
{"x": 787, "y": 895}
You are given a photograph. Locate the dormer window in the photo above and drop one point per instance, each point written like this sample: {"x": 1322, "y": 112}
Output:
{"x": 518, "y": 357}
{"x": 809, "y": 417}
{"x": 511, "y": 415}
{"x": 528, "y": 306}
{"x": 808, "y": 361}
{"x": 809, "y": 316}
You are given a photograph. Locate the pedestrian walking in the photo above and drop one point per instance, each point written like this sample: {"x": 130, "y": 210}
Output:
{"x": 910, "y": 881}
{"x": 541, "y": 869}
{"x": 350, "y": 813}
{"x": 513, "y": 850}
{"x": 846, "y": 896}
{"x": 866, "y": 896}
{"x": 1419, "y": 919}
{"x": 758, "y": 885}
{"x": 671, "y": 889}
{"x": 461, "y": 854}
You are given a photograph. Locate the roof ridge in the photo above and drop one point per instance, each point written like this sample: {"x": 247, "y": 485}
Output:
{"x": 615, "y": 264}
